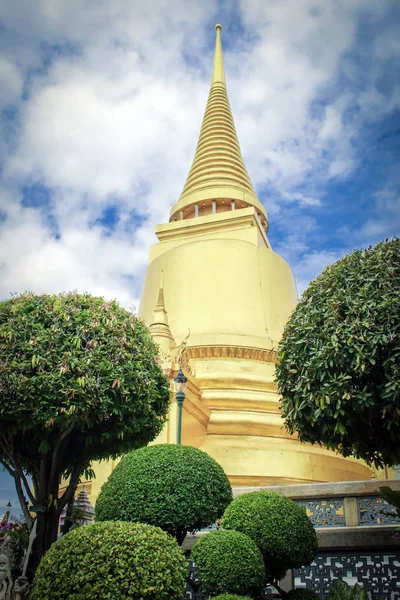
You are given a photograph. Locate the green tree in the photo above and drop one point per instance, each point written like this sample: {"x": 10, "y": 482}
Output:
{"x": 79, "y": 381}
{"x": 339, "y": 357}
{"x": 279, "y": 527}
{"x": 177, "y": 488}
{"x": 120, "y": 561}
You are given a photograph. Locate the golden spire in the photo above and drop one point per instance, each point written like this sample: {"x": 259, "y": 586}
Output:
{"x": 218, "y": 75}
{"x": 159, "y": 326}
{"x": 218, "y": 171}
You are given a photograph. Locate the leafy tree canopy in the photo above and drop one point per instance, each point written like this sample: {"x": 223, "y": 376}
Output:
{"x": 179, "y": 488}
{"x": 120, "y": 561}
{"x": 79, "y": 381}
{"x": 339, "y": 357}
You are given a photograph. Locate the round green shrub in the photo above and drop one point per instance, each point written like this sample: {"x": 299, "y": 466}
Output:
{"x": 302, "y": 595}
{"x": 228, "y": 562}
{"x": 177, "y": 488}
{"x": 115, "y": 560}
{"x": 279, "y": 527}
{"x": 230, "y": 597}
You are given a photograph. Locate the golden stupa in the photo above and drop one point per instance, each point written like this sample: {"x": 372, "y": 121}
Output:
{"x": 216, "y": 298}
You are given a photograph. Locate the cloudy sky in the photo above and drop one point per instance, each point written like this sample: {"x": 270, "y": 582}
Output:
{"x": 100, "y": 108}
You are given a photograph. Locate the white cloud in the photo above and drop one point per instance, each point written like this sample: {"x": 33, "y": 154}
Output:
{"x": 113, "y": 115}
{"x": 311, "y": 265}
{"x": 384, "y": 220}
{"x": 10, "y": 82}
{"x": 332, "y": 124}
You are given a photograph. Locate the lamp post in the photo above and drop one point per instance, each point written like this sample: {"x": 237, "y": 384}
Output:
{"x": 180, "y": 388}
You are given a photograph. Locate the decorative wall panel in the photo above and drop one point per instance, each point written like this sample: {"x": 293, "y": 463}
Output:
{"x": 325, "y": 512}
{"x": 370, "y": 511}
{"x": 379, "y": 571}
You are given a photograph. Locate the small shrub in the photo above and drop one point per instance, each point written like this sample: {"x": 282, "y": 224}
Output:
{"x": 279, "y": 527}
{"x": 229, "y": 562}
{"x": 122, "y": 561}
{"x": 340, "y": 590}
{"x": 302, "y": 595}
{"x": 177, "y": 488}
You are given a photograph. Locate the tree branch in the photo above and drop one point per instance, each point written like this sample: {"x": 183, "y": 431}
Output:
{"x": 7, "y": 467}
{"x": 8, "y": 449}
{"x": 19, "y": 471}
{"x": 35, "y": 484}
{"x": 20, "y": 493}
{"x": 68, "y": 495}
{"x": 57, "y": 450}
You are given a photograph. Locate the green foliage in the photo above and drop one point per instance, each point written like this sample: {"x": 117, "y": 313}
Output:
{"x": 339, "y": 357}
{"x": 19, "y": 533}
{"x": 79, "y": 364}
{"x": 119, "y": 561}
{"x": 230, "y": 597}
{"x": 340, "y": 590}
{"x": 79, "y": 381}
{"x": 228, "y": 562}
{"x": 279, "y": 527}
{"x": 303, "y": 594}
{"x": 393, "y": 498}
{"x": 178, "y": 488}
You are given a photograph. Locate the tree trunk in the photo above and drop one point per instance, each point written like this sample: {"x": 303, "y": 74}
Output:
{"x": 46, "y": 535}
{"x": 68, "y": 522}
{"x": 180, "y": 534}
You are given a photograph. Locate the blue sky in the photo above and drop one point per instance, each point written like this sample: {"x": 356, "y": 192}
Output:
{"x": 100, "y": 109}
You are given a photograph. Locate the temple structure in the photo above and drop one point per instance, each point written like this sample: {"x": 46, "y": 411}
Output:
{"x": 220, "y": 310}
{"x": 216, "y": 298}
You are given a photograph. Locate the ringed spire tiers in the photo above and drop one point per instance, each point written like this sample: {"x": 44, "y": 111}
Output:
{"x": 218, "y": 179}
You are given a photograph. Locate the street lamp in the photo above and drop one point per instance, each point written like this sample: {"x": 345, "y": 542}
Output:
{"x": 180, "y": 388}
{"x": 9, "y": 505}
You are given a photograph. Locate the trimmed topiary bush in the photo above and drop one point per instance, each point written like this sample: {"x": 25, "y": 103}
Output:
{"x": 177, "y": 488}
{"x": 228, "y": 562}
{"x": 112, "y": 560}
{"x": 279, "y": 527}
{"x": 302, "y": 595}
{"x": 231, "y": 597}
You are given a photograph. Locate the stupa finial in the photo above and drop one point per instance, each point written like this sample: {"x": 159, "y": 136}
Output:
{"x": 160, "y": 299}
{"x": 159, "y": 327}
{"x": 218, "y": 74}
{"x": 218, "y": 174}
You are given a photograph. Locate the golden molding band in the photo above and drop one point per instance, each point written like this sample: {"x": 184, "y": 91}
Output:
{"x": 262, "y": 354}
